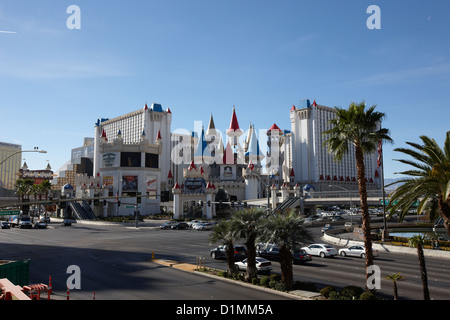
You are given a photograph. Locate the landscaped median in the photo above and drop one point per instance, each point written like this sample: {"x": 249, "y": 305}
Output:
{"x": 222, "y": 275}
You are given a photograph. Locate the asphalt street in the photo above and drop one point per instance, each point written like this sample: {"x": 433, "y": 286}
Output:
{"x": 114, "y": 262}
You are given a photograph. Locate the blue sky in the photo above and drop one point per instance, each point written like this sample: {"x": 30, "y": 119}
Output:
{"x": 202, "y": 57}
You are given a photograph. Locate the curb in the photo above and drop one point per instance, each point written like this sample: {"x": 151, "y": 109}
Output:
{"x": 295, "y": 294}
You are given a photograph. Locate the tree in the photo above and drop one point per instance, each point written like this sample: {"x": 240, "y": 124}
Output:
{"x": 430, "y": 182}
{"x": 288, "y": 232}
{"x": 246, "y": 225}
{"x": 360, "y": 128}
{"x": 417, "y": 242}
{"x": 222, "y": 232}
{"x": 395, "y": 277}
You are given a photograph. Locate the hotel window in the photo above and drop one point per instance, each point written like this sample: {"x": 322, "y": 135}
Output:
{"x": 151, "y": 160}
{"x": 130, "y": 159}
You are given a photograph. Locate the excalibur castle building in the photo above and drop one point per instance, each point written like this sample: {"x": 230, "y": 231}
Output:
{"x": 138, "y": 154}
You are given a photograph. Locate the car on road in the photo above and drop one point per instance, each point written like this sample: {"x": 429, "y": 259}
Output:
{"x": 66, "y": 222}
{"x": 25, "y": 222}
{"x": 262, "y": 265}
{"x": 41, "y": 224}
{"x": 356, "y": 251}
{"x": 326, "y": 228}
{"x": 240, "y": 253}
{"x": 179, "y": 226}
{"x": 194, "y": 222}
{"x": 5, "y": 225}
{"x": 167, "y": 224}
{"x": 203, "y": 226}
{"x": 321, "y": 249}
{"x": 300, "y": 256}
{"x": 272, "y": 252}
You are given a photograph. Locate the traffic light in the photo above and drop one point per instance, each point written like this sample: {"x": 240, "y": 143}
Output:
{"x": 245, "y": 204}
{"x": 118, "y": 203}
{"x": 138, "y": 198}
{"x": 104, "y": 203}
{"x": 232, "y": 204}
{"x": 209, "y": 203}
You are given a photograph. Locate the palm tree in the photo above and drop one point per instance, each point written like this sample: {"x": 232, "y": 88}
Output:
{"x": 23, "y": 190}
{"x": 222, "y": 232}
{"x": 395, "y": 277}
{"x": 360, "y": 128}
{"x": 417, "y": 242}
{"x": 46, "y": 186}
{"x": 288, "y": 232}
{"x": 430, "y": 182}
{"x": 246, "y": 225}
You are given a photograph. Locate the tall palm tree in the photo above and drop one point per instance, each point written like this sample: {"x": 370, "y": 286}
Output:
{"x": 430, "y": 182}
{"x": 417, "y": 242}
{"x": 222, "y": 232}
{"x": 246, "y": 224}
{"x": 395, "y": 277}
{"x": 360, "y": 128}
{"x": 288, "y": 232}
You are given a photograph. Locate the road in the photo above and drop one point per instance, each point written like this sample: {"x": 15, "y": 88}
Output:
{"x": 115, "y": 263}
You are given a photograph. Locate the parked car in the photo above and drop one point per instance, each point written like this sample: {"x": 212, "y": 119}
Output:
{"x": 272, "y": 252}
{"x": 240, "y": 253}
{"x": 167, "y": 224}
{"x": 203, "y": 226}
{"x": 25, "y": 222}
{"x": 356, "y": 251}
{"x": 66, "y": 222}
{"x": 262, "y": 265}
{"x": 41, "y": 224}
{"x": 179, "y": 225}
{"x": 45, "y": 219}
{"x": 5, "y": 225}
{"x": 320, "y": 249}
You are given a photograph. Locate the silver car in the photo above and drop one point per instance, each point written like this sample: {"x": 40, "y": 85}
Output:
{"x": 320, "y": 249}
{"x": 262, "y": 265}
{"x": 356, "y": 251}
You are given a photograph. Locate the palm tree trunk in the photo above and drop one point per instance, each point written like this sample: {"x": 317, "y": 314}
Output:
{"x": 287, "y": 276}
{"x": 251, "y": 259}
{"x": 364, "y": 208}
{"x": 230, "y": 258}
{"x": 395, "y": 291}
{"x": 423, "y": 273}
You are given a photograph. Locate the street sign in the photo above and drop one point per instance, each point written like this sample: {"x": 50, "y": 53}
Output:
{"x": 9, "y": 213}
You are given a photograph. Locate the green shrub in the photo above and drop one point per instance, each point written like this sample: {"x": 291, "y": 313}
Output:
{"x": 367, "y": 296}
{"x": 279, "y": 286}
{"x": 275, "y": 276}
{"x": 351, "y": 291}
{"x": 325, "y": 292}
{"x": 255, "y": 281}
{"x": 264, "y": 281}
{"x": 272, "y": 283}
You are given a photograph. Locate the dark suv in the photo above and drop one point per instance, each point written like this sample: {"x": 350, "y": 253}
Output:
{"x": 240, "y": 253}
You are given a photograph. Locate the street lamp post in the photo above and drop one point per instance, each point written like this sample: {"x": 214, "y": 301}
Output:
{"x": 12, "y": 155}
